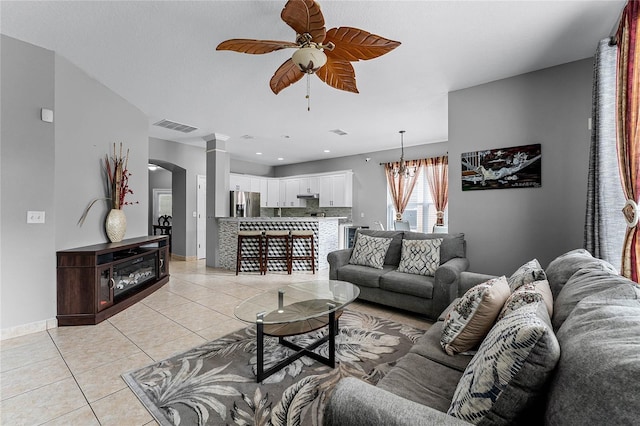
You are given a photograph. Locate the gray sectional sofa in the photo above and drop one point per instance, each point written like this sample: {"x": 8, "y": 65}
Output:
{"x": 590, "y": 351}
{"x": 427, "y": 295}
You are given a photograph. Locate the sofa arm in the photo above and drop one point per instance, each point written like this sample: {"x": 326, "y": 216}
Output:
{"x": 356, "y": 403}
{"x": 337, "y": 259}
{"x": 470, "y": 279}
{"x": 446, "y": 282}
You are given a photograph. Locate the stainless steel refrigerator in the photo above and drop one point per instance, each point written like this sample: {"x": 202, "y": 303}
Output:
{"x": 245, "y": 204}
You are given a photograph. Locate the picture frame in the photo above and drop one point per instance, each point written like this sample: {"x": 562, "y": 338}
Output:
{"x": 513, "y": 167}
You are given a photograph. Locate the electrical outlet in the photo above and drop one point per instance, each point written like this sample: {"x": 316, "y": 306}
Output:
{"x": 35, "y": 217}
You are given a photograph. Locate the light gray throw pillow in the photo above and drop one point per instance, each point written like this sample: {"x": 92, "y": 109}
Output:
{"x": 420, "y": 257}
{"x": 370, "y": 251}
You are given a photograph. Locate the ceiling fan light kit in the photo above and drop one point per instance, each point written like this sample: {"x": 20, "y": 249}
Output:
{"x": 309, "y": 59}
{"x": 328, "y": 54}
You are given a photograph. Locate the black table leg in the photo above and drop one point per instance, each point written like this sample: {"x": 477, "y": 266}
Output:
{"x": 330, "y": 361}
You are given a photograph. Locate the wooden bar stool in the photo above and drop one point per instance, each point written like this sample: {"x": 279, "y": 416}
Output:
{"x": 310, "y": 254}
{"x": 276, "y": 252}
{"x": 249, "y": 237}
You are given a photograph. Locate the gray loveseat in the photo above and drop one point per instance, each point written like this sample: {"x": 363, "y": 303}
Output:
{"x": 596, "y": 379}
{"x": 427, "y": 295}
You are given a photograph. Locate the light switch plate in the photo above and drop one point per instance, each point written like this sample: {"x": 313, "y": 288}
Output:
{"x": 35, "y": 217}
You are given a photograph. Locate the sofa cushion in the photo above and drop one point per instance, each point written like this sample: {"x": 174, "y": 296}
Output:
{"x": 421, "y": 380}
{"x": 415, "y": 285}
{"x": 509, "y": 373}
{"x": 363, "y": 275}
{"x": 473, "y": 316}
{"x": 420, "y": 257}
{"x": 537, "y": 291}
{"x": 393, "y": 253}
{"x": 428, "y": 346}
{"x": 527, "y": 273}
{"x": 600, "y": 361}
{"x": 564, "y": 266}
{"x": 582, "y": 284}
{"x": 370, "y": 251}
{"x": 453, "y": 245}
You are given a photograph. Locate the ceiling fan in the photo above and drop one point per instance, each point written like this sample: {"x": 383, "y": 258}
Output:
{"x": 328, "y": 54}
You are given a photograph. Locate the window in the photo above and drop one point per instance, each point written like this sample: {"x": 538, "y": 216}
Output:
{"x": 420, "y": 212}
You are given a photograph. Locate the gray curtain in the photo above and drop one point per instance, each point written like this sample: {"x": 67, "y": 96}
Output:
{"x": 604, "y": 225}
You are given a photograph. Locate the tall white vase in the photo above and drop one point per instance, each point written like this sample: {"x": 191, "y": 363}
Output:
{"x": 116, "y": 225}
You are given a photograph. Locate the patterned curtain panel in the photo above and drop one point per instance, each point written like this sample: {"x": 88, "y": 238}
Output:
{"x": 401, "y": 187}
{"x": 604, "y": 225}
{"x": 628, "y": 131}
{"x": 437, "y": 172}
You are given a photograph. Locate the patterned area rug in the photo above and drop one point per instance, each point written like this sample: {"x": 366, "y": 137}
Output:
{"x": 215, "y": 383}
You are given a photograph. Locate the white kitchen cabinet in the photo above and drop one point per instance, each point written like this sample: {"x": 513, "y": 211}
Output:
{"x": 254, "y": 183}
{"x": 336, "y": 190}
{"x": 309, "y": 185}
{"x": 291, "y": 191}
{"x": 239, "y": 182}
{"x": 273, "y": 193}
{"x": 264, "y": 192}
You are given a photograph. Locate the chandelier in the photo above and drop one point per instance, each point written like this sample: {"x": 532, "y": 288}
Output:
{"x": 403, "y": 170}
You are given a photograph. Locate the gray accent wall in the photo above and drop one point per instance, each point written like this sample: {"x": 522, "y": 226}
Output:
{"x": 27, "y": 251}
{"x": 505, "y": 228}
{"x": 369, "y": 180}
{"x": 186, "y": 162}
{"x": 55, "y": 168}
{"x": 248, "y": 168}
{"x": 89, "y": 118}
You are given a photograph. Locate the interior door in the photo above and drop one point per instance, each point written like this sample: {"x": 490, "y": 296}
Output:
{"x": 201, "y": 222}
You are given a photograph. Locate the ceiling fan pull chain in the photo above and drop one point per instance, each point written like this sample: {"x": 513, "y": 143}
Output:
{"x": 308, "y": 92}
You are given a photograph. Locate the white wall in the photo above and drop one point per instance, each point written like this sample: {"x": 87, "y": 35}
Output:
{"x": 506, "y": 227}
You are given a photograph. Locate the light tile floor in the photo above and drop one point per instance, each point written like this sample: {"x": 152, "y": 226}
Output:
{"x": 71, "y": 375}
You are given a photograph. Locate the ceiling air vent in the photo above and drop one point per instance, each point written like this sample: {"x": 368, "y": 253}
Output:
{"x": 246, "y": 137}
{"x": 338, "y": 132}
{"x": 172, "y": 125}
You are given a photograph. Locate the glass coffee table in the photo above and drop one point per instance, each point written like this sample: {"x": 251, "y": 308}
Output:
{"x": 297, "y": 309}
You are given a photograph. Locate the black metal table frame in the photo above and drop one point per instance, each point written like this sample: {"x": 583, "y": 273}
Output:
{"x": 300, "y": 351}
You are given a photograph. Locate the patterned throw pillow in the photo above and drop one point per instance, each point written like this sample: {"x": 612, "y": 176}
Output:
{"x": 370, "y": 251}
{"x": 527, "y": 273}
{"x": 510, "y": 369}
{"x": 420, "y": 257}
{"x": 538, "y": 291}
{"x": 473, "y": 315}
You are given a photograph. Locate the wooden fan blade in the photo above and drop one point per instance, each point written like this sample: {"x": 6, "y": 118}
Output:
{"x": 305, "y": 16}
{"x": 353, "y": 44}
{"x": 285, "y": 76}
{"x": 339, "y": 74}
{"x": 255, "y": 47}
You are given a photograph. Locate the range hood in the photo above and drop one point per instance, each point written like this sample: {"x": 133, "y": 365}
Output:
{"x": 308, "y": 196}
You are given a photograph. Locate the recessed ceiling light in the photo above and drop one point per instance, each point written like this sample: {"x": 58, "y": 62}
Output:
{"x": 258, "y": 153}
{"x": 326, "y": 150}
{"x": 280, "y": 159}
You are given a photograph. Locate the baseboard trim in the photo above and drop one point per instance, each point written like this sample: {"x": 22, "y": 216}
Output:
{"x": 24, "y": 329}
{"x": 183, "y": 258}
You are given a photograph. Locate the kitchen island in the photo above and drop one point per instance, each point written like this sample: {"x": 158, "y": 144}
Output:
{"x": 325, "y": 230}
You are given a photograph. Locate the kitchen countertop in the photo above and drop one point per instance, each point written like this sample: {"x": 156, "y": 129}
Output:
{"x": 280, "y": 219}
